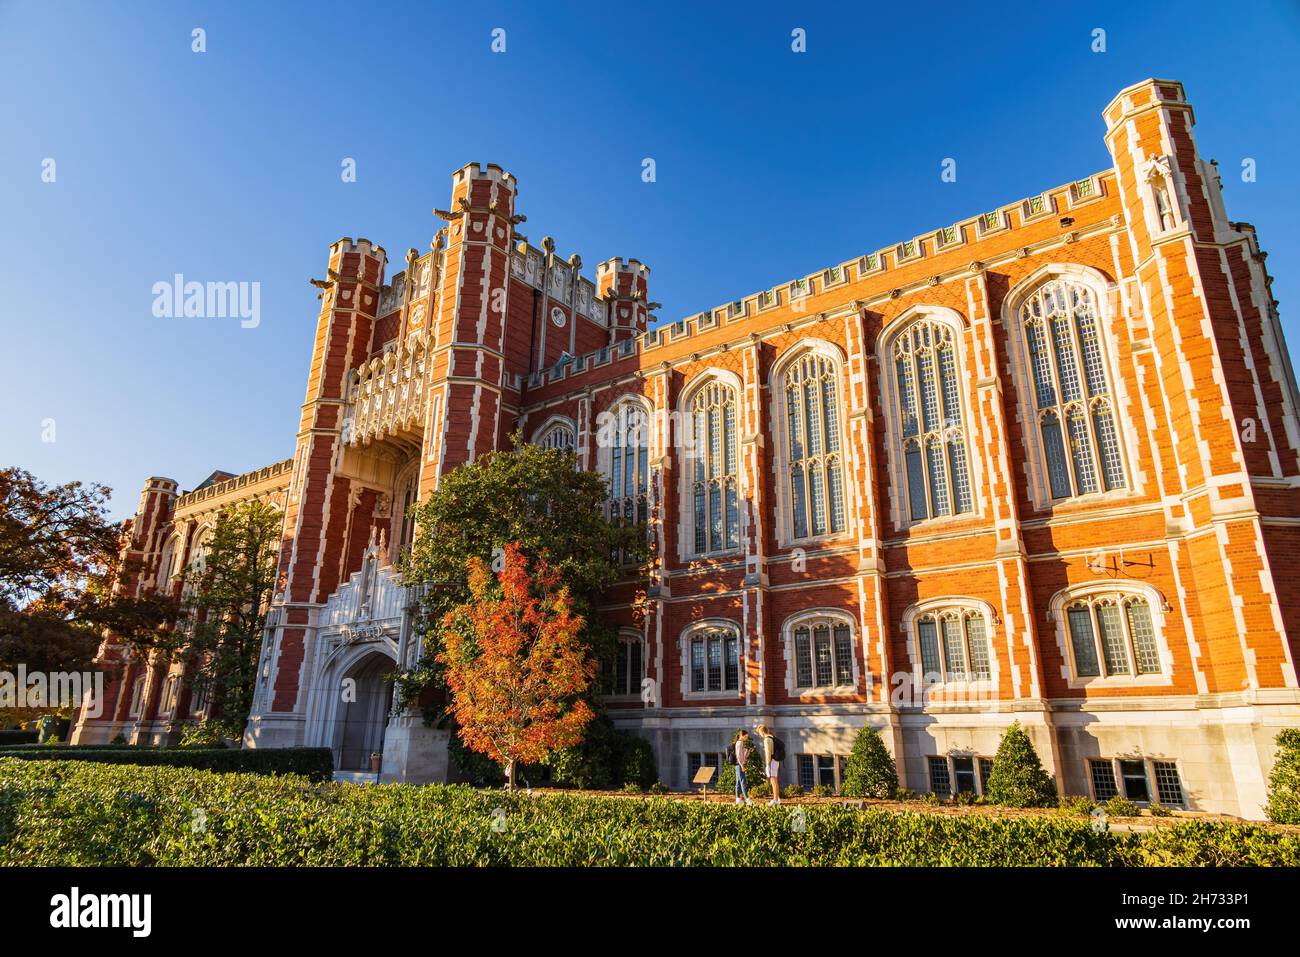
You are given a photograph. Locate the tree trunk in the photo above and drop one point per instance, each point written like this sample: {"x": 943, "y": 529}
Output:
{"x": 510, "y": 775}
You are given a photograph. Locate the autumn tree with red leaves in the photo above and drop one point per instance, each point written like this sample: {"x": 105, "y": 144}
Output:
{"x": 516, "y": 664}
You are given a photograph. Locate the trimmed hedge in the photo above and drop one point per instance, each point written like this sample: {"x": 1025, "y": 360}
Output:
{"x": 316, "y": 764}
{"x": 1284, "y": 779}
{"x": 17, "y": 737}
{"x": 70, "y": 813}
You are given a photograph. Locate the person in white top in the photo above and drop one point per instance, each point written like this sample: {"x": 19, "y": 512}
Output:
{"x": 771, "y": 760}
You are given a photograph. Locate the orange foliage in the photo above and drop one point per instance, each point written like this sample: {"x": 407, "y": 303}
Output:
{"x": 515, "y": 663}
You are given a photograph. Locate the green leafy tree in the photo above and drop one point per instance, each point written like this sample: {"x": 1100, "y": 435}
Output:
{"x": 530, "y": 496}
{"x": 637, "y": 764}
{"x": 1018, "y": 778}
{"x": 606, "y": 758}
{"x": 871, "y": 771}
{"x": 230, "y": 585}
{"x": 1284, "y": 779}
{"x": 64, "y": 580}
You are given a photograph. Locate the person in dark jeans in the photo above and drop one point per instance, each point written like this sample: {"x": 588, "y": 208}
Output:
{"x": 740, "y": 749}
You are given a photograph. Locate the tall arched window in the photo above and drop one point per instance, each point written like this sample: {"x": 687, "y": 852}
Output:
{"x": 165, "y": 562}
{"x": 137, "y": 696}
{"x": 713, "y": 470}
{"x": 406, "y": 494}
{"x": 931, "y": 426}
{"x": 627, "y": 465}
{"x": 199, "y": 552}
{"x": 170, "y": 693}
{"x": 1072, "y": 395}
{"x": 815, "y": 470}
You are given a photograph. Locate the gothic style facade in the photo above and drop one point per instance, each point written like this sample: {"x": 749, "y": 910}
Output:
{"x": 1039, "y": 466}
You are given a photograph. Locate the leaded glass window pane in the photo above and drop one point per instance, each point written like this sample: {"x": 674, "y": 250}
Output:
{"x": 620, "y": 677}
{"x": 929, "y": 647}
{"x": 835, "y": 479}
{"x": 802, "y": 658}
{"x": 700, "y": 518}
{"x": 929, "y": 399}
{"x": 937, "y": 470}
{"x": 799, "y": 501}
{"x": 732, "y": 677}
{"x": 1112, "y": 468}
{"x": 948, "y": 380}
{"x": 1081, "y": 639}
{"x": 907, "y": 397}
{"x": 817, "y": 486}
{"x": 1104, "y": 786}
{"x": 916, "y": 482}
{"x": 806, "y": 775}
{"x": 715, "y": 492}
{"x": 960, "y": 474}
{"x": 715, "y": 663}
{"x": 830, "y": 407}
{"x": 628, "y": 466}
{"x": 1067, "y": 368}
{"x": 1081, "y": 451}
{"x": 1058, "y": 472}
{"x": 716, "y": 544}
{"x": 843, "y": 655}
{"x": 954, "y": 651}
{"x": 812, "y": 428}
{"x": 1067, "y": 372}
{"x": 697, "y": 664}
{"x": 938, "y": 476}
{"x": 1045, "y": 389}
{"x": 939, "y": 780}
{"x": 1144, "y": 637}
{"x": 1113, "y": 649}
{"x": 1169, "y": 787}
{"x": 636, "y": 666}
{"x": 1094, "y": 369}
{"x": 822, "y": 648}
{"x": 979, "y": 646}
{"x": 733, "y": 516}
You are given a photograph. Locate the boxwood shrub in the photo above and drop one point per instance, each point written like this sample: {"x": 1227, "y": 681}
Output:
{"x": 316, "y": 764}
{"x": 73, "y": 813}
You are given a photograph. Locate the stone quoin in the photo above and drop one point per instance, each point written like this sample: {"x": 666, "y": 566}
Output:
{"x": 1039, "y": 465}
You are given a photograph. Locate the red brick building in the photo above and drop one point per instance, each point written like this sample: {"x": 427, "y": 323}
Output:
{"x": 1039, "y": 465}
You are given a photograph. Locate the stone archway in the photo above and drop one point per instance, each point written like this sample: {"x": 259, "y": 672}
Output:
{"x": 362, "y": 716}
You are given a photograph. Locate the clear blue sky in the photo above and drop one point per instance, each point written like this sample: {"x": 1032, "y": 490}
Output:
{"x": 225, "y": 166}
